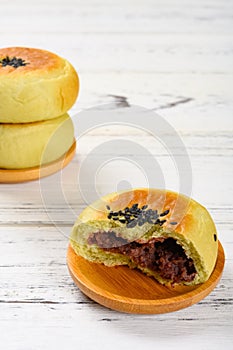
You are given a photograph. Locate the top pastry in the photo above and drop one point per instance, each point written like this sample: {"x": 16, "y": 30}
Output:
{"x": 35, "y": 85}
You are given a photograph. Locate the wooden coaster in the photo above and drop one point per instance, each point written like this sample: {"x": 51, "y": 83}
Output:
{"x": 120, "y": 288}
{"x": 22, "y": 175}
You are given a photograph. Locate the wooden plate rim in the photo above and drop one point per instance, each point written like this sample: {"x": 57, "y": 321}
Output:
{"x": 204, "y": 288}
{"x": 8, "y": 176}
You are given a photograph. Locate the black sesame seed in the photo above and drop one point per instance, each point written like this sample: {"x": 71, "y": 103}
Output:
{"x": 150, "y": 212}
{"x": 141, "y": 222}
{"x": 215, "y": 237}
{"x": 155, "y": 216}
{"x": 133, "y": 211}
{"x": 173, "y": 223}
{"x": 162, "y": 222}
{"x": 165, "y": 212}
{"x": 132, "y": 224}
{"x": 137, "y": 216}
{"x": 127, "y": 216}
{"x": 13, "y": 62}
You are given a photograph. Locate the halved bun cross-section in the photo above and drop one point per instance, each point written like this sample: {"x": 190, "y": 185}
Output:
{"x": 164, "y": 234}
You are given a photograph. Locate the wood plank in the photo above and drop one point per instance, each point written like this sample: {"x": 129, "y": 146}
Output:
{"x": 31, "y": 304}
{"x": 208, "y": 96}
{"x": 33, "y": 267}
{"x": 120, "y": 17}
{"x": 165, "y": 55}
{"x": 63, "y": 189}
{"x": 101, "y": 328}
{"x": 152, "y": 53}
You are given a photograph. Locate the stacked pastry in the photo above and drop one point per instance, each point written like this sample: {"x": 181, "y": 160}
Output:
{"x": 37, "y": 88}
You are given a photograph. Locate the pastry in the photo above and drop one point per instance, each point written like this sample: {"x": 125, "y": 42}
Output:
{"x": 162, "y": 233}
{"x": 34, "y": 144}
{"x": 35, "y": 85}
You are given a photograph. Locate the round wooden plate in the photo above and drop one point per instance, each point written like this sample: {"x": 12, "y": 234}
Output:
{"x": 22, "y": 175}
{"x": 120, "y": 288}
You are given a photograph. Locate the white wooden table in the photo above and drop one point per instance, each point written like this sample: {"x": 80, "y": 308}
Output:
{"x": 175, "y": 57}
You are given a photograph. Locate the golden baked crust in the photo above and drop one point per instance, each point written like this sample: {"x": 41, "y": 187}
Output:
{"x": 33, "y": 144}
{"x": 44, "y": 87}
{"x": 188, "y": 222}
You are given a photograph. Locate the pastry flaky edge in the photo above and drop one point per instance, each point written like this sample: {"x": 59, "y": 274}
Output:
{"x": 194, "y": 230}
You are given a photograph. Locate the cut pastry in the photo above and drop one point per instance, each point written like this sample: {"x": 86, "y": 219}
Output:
{"x": 164, "y": 234}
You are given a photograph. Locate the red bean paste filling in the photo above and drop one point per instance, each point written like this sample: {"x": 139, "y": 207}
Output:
{"x": 162, "y": 255}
